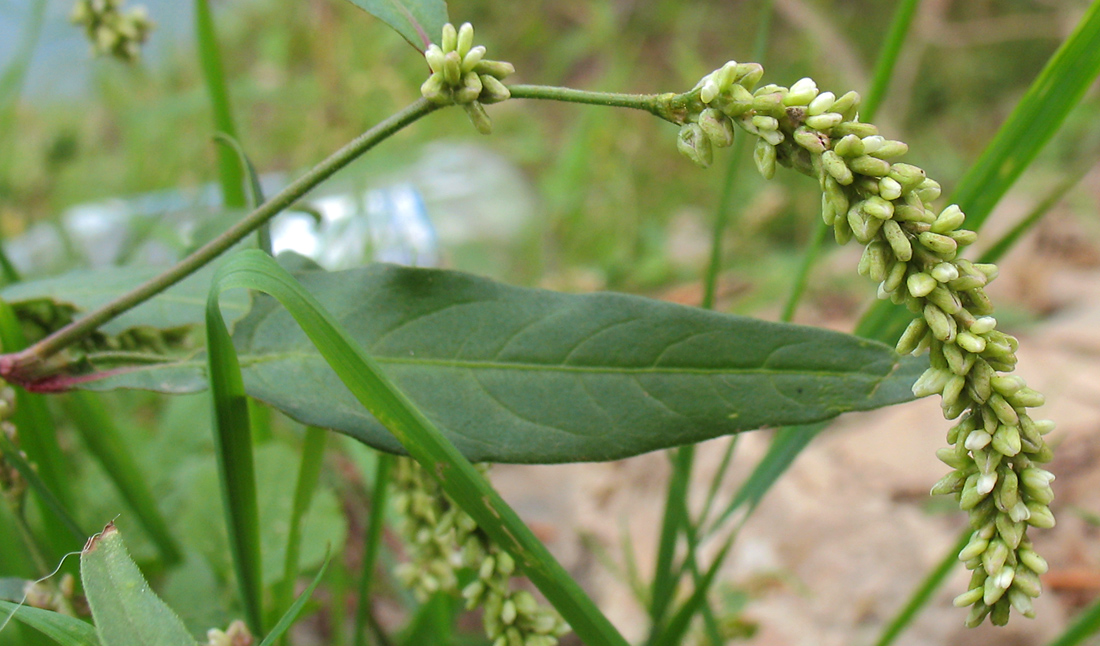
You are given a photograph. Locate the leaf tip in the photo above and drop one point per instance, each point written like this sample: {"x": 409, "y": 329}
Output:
{"x": 93, "y": 542}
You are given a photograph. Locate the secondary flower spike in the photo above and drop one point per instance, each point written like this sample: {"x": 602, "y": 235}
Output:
{"x": 462, "y": 75}
{"x": 912, "y": 252}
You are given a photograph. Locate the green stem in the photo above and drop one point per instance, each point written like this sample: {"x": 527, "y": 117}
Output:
{"x": 671, "y": 107}
{"x": 23, "y": 364}
{"x": 375, "y": 525}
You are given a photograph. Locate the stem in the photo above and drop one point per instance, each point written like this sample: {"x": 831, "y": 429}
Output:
{"x": 671, "y": 107}
{"x": 19, "y": 364}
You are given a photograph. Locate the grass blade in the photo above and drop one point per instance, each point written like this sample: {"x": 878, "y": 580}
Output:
{"x": 1084, "y": 626}
{"x": 100, "y": 435}
{"x": 423, "y": 440}
{"x": 255, "y": 193}
{"x": 924, "y": 592}
{"x": 236, "y": 470}
{"x": 888, "y": 58}
{"x": 375, "y": 524}
{"x": 291, "y": 615}
{"x": 313, "y": 454}
{"x": 50, "y": 501}
{"x": 63, "y": 629}
{"x": 1034, "y": 121}
{"x": 230, "y": 176}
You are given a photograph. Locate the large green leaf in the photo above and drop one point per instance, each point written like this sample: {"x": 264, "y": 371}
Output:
{"x": 418, "y": 21}
{"x": 528, "y": 375}
{"x": 182, "y": 305}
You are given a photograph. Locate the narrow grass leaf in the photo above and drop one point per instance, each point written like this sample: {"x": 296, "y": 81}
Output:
{"x": 309, "y": 471}
{"x": 373, "y": 544}
{"x": 213, "y": 73}
{"x": 1084, "y": 626}
{"x": 126, "y": 610}
{"x": 1034, "y": 121}
{"x": 255, "y": 193}
{"x": 295, "y": 609}
{"x": 236, "y": 470}
{"x": 369, "y": 384}
{"x": 55, "y": 508}
{"x": 63, "y": 629}
{"x": 418, "y": 21}
{"x": 97, "y": 428}
{"x": 678, "y": 625}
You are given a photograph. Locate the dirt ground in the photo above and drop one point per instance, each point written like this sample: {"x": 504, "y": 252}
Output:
{"x": 839, "y": 544}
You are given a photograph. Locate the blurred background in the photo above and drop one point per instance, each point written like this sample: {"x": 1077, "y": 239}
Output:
{"x": 578, "y": 198}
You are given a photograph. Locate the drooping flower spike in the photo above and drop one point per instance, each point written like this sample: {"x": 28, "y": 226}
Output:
{"x": 912, "y": 252}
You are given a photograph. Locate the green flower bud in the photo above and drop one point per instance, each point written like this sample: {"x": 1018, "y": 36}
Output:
{"x": 1007, "y": 440}
{"x": 993, "y": 558}
{"x": 1011, "y": 533}
{"x": 1030, "y": 559}
{"x": 952, "y": 390}
{"x": 767, "y": 102}
{"x": 970, "y": 342}
{"x": 847, "y": 105}
{"x": 734, "y": 103}
{"x": 836, "y": 167}
{"x": 1000, "y": 613}
{"x": 821, "y": 104}
{"x": 1009, "y": 489}
{"x": 854, "y": 128}
{"x": 476, "y": 112}
{"x": 939, "y": 244}
{"x": 709, "y": 90}
{"x": 824, "y": 121}
{"x": 695, "y": 145}
{"x": 470, "y": 90}
{"x": 974, "y": 548}
{"x": 764, "y": 157}
{"x": 842, "y": 233}
{"x": 1026, "y": 398}
{"x": 977, "y": 614}
{"x": 493, "y": 91}
{"x": 969, "y": 597}
{"x": 508, "y": 612}
{"x": 992, "y": 591}
{"x": 878, "y": 207}
{"x": 931, "y": 382}
{"x": 472, "y": 58}
{"x": 497, "y": 69}
{"x": 1021, "y": 602}
{"x": 1040, "y": 515}
{"x": 717, "y": 127}
{"x": 1007, "y": 385}
{"x": 889, "y": 188}
{"x": 452, "y": 68}
{"x": 873, "y": 261}
{"x": 506, "y": 565}
{"x": 929, "y": 190}
{"x": 849, "y": 146}
{"x": 870, "y": 166}
{"x": 920, "y": 284}
{"x": 450, "y": 38}
{"x": 945, "y": 272}
{"x": 1003, "y": 410}
{"x": 979, "y": 301}
{"x": 891, "y": 149}
{"x": 949, "y": 219}
{"x": 436, "y": 90}
{"x": 963, "y": 237}
{"x": 971, "y": 497}
{"x": 864, "y": 227}
{"x": 898, "y": 241}
{"x": 465, "y": 40}
{"x": 801, "y": 93}
{"x": 435, "y": 57}
{"x": 941, "y": 325}
{"x": 748, "y": 74}
{"x": 911, "y": 337}
{"x": 958, "y": 361}
{"x": 811, "y": 140}
{"x": 1027, "y": 582}
{"x": 895, "y": 276}
{"x": 907, "y": 175}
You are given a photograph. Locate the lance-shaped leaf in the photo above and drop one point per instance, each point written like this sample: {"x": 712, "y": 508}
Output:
{"x": 533, "y": 376}
{"x": 418, "y": 21}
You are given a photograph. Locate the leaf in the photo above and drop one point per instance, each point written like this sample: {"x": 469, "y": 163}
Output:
{"x": 63, "y": 629}
{"x": 295, "y": 609}
{"x": 182, "y": 305}
{"x": 418, "y": 21}
{"x": 527, "y": 375}
{"x": 126, "y": 610}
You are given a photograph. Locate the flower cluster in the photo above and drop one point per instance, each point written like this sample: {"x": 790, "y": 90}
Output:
{"x": 462, "y": 75}
{"x": 912, "y": 251}
{"x": 110, "y": 31}
{"x": 443, "y": 540}
{"x": 237, "y": 634}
